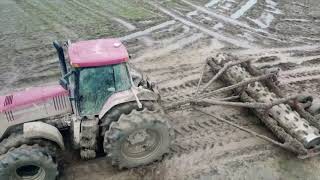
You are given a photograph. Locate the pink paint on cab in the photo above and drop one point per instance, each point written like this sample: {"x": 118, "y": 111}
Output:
{"x": 99, "y": 52}
{"x": 30, "y": 96}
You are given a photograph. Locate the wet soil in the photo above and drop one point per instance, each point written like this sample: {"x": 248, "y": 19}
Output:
{"x": 170, "y": 40}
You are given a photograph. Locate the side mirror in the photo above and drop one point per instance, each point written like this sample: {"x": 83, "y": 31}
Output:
{"x": 63, "y": 83}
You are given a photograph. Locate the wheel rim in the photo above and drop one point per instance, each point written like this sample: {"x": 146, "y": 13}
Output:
{"x": 30, "y": 172}
{"x": 141, "y": 144}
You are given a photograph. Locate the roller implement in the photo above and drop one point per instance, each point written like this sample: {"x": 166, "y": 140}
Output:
{"x": 294, "y": 120}
{"x": 101, "y": 104}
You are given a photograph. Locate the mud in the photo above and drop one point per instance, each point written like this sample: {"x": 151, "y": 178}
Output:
{"x": 170, "y": 40}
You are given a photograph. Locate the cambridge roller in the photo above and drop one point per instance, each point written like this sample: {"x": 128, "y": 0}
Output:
{"x": 285, "y": 117}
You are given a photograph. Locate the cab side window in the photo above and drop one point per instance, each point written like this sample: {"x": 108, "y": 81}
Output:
{"x": 93, "y": 88}
{"x": 121, "y": 76}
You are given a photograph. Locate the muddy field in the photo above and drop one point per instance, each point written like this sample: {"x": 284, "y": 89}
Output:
{"x": 170, "y": 40}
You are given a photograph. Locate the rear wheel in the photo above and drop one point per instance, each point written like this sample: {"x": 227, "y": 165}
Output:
{"x": 17, "y": 139}
{"x": 28, "y": 163}
{"x": 138, "y": 138}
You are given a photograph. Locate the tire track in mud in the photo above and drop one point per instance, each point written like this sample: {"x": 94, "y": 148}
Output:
{"x": 170, "y": 47}
{"x": 98, "y": 14}
{"x": 234, "y": 41}
{"x": 29, "y": 8}
{"x": 237, "y": 22}
{"x": 97, "y": 169}
{"x": 297, "y": 66}
{"x": 230, "y": 25}
{"x": 198, "y": 132}
{"x": 161, "y": 40}
{"x": 233, "y": 21}
{"x": 285, "y": 59}
{"x": 297, "y": 75}
{"x": 208, "y": 161}
{"x": 309, "y": 87}
{"x": 299, "y": 63}
{"x": 148, "y": 30}
{"x": 259, "y": 52}
{"x": 301, "y": 79}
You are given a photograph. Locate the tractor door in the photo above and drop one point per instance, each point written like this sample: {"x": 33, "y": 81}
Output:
{"x": 96, "y": 85}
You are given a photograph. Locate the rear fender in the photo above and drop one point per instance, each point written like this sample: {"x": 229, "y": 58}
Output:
{"x": 128, "y": 96}
{"x": 43, "y": 130}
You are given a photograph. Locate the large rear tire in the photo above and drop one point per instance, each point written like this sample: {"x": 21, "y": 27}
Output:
{"x": 138, "y": 138}
{"x": 17, "y": 139}
{"x": 28, "y": 163}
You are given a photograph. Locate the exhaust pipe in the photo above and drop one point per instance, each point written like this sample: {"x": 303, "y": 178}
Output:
{"x": 62, "y": 59}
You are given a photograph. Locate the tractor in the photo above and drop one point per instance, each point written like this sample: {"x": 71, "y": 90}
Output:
{"x": 101, "y": 104}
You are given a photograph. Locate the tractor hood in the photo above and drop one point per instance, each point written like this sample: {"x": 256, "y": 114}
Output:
{"x": 30, "y": 96}
{"x": 33, "y": 104}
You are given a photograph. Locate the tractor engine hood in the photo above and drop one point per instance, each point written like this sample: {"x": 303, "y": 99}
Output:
{"x": 33, "y": 104}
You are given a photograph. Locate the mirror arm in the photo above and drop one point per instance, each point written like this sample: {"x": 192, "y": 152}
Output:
{"x": 65, "y": 77}
{"x": 133, "y": 88}
{"x": 63, "y": 83}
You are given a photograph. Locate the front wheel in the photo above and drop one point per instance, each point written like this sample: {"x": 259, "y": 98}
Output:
{"x": 138, "y": 138}
{"x": 27, "y": 163}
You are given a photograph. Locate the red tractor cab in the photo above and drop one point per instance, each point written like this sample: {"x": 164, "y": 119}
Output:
{"x": 97, "y": 70}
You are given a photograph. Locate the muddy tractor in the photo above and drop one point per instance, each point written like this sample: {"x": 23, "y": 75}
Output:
{"x": 101, "y": 105}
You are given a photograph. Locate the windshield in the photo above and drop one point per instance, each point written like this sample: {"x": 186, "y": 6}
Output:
{"x": 96, "y": 84}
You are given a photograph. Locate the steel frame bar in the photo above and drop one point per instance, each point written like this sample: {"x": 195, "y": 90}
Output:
{"x": 222, "y": 70}
{"x": 246, "y": 105}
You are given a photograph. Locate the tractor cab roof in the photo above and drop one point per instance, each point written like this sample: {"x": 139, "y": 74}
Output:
{"x": 100, "y": 52}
